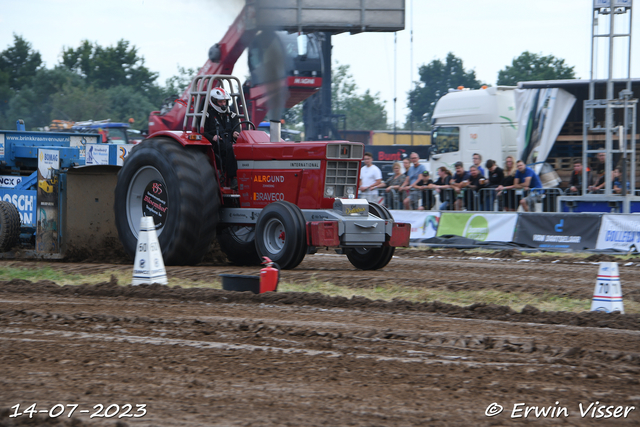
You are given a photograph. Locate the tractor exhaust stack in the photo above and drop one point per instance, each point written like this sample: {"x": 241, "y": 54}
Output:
{"x": 274, "y": 131}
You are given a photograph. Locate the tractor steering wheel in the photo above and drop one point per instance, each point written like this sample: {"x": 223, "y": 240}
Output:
{"x": 247, "y": 122}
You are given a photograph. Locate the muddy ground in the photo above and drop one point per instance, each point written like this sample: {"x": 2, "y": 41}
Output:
{"x": 203, "y": 357}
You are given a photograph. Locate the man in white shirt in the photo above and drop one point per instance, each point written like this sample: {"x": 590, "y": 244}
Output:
{"x": 370, "y": 179}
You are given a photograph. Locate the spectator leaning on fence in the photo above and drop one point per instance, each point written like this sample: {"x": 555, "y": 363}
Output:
{"x": 509, "y": 197}
{"x": 477, "y": 162}
{"x": 616, "y": 181}
{"x": 424, "y": 184}
{"x": 413, "y": 176}
{"x": 496, "y": 177}
{"x": 477, "y": 182}
{"x": 575, "y": 182}
{"x": 528, "y": 180}
{"x": 393, "y": 184}
{"x": 443, "y": 188}
{"x": 459, "y": 181}
{"x": 597, "y": 186}
{"x": 370, "y": 179}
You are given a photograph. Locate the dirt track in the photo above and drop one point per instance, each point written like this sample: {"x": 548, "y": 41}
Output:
{"x": 207, "y": 357}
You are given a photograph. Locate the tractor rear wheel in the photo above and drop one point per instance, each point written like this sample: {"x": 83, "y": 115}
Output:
{"x": 281, "y": 234}
{"x": 239, "y": 244}
{"x": 9, "y": 226}
{"x": 177, "y": 187}
{"x": 372, "y": 258}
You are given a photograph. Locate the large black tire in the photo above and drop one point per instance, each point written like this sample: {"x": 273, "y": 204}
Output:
{"x": 372, "y": 258}
{"x": 239, "y": 244}
{"x": 281, "y": 234}
{"x": 177, "y": 186}
{"x": 9, "y": 226}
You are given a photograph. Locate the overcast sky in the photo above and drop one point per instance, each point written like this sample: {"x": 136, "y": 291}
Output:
{"x": 486, "y": 34}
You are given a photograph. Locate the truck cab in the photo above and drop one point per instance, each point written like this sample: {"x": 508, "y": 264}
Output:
{"x": 468, "y": 121}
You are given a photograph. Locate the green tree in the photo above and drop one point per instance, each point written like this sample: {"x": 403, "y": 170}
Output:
{"x": 125, "y": 102}
{"x": 81, "y": 102}
{"x": 362, "y": 112}
{"x": 105, "y": 67}
{"x": 436, "y": 78}
{"x": 293, "y": 117}
{"x": 177, "y": 84}
{"x": 20, "y": 62}
{"x": 18, "y": 66}
{"x": 530, "y": 66}
{"x": 32, "y": 102}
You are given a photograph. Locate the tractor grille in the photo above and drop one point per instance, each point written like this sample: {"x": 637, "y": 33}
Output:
{"x": 345, "y": 151}
{"x": 342, "y": 178}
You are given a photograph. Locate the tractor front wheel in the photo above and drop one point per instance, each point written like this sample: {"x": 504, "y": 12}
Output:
{"x": 281, "y": 234}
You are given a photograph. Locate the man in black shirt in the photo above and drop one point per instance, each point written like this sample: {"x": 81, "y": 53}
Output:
{"x": 459, "y": 181}
{"x": 496, "y": 176}
{"x": 472, "y": 200}
{"x": 575, "y": 183}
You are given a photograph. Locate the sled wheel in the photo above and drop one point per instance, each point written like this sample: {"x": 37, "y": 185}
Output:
{"x": 372, "y": 258}
{"x": 9, "y": 226}
{"x": 239, "y": 244}
{"x": 177, "y": 187}
{"x": 281, "y": 235}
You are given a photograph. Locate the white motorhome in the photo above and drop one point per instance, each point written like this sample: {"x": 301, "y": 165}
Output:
{"x": 474, "y": 121}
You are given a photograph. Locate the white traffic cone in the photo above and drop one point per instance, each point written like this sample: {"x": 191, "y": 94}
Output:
{"x": 607, "y": 296}
{"x": 148, "y": 266}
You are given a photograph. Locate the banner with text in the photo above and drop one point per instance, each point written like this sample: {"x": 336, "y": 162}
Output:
{"x": 558, "y": 231}
{"x": 620, "y": 232}
{"x": 490, "y": 227}
{"x": 47, "y": 235}
{"x": 424, "y": 224}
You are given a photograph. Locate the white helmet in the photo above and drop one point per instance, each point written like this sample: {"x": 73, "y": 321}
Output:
{"x": 218, "y": 93}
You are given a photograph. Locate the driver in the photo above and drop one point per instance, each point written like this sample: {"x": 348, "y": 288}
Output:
{"x": 219, "y": 130}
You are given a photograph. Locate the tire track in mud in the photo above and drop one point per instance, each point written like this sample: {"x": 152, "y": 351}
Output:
{"x": 242, "y": 361}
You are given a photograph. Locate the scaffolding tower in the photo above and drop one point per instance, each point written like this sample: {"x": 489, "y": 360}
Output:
{"x": 609, "y": 118}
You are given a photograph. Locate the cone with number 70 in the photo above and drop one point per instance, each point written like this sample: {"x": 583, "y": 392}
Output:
{"x": 607, "y": 296}
{"x": 148, "y": 266}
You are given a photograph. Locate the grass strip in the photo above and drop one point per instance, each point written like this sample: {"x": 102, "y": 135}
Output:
{"x": 387, "y": 292}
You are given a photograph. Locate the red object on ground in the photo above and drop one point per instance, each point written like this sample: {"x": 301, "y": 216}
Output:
{"x": 269, "y": 277}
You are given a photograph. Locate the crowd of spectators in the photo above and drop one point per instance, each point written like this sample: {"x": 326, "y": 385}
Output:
{"x": 488, "y": 188}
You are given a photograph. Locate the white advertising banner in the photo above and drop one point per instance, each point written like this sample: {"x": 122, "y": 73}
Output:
{"x": 424, "y": 224}
{"x": 620, "y": 232}
{"x": 490, "y": 227}
{"x": 123, "y": 152}
{"x": 541, "y": 114}
{"x": 9, "y": 181}
{"x": 97, "y": 154}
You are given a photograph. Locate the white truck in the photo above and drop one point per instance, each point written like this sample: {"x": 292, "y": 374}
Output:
{"x": 470, "y": 121}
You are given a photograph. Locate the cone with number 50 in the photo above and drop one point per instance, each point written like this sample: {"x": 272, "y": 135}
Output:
{"x": 148, "y": 266}
{"x": 607, "y": 296}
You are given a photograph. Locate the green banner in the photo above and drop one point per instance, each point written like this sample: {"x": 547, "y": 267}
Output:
{"x": 476, "y": 226}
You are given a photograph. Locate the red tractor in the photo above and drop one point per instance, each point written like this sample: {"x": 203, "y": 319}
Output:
{"x": 292, "y": 197}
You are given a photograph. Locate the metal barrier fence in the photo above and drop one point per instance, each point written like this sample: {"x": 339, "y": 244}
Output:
{"x": 485, "y": 199}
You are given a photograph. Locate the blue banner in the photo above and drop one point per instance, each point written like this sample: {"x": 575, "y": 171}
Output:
{"x": 25, "y": 201}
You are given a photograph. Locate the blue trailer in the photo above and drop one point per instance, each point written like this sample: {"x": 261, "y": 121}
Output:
{"x": 61, "y": 185}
